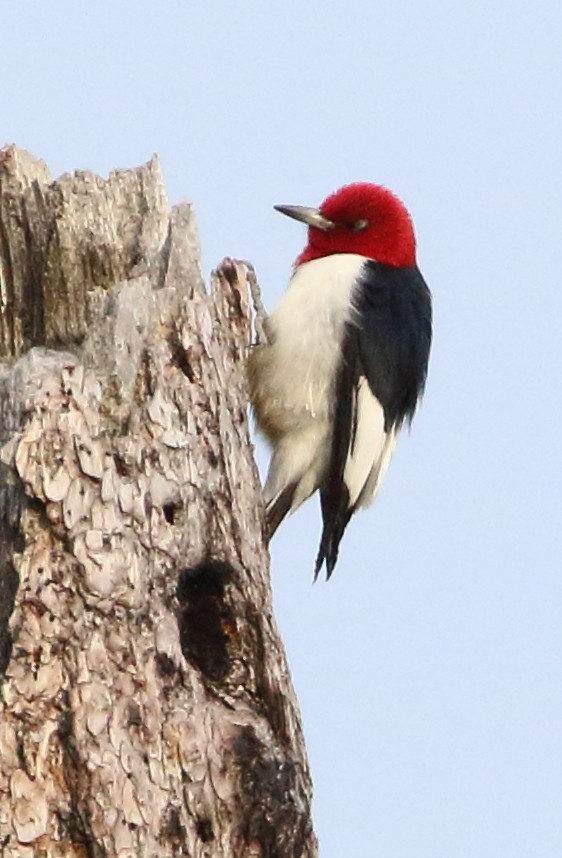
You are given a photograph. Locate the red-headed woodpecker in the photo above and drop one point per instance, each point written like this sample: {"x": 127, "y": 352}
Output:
{"x": 346, "y": 360}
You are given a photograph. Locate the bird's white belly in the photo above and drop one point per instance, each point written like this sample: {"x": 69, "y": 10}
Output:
{"x": 307, "y": 328}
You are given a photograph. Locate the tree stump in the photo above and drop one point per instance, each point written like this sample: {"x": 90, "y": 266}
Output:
{"x": 146, "y": 707}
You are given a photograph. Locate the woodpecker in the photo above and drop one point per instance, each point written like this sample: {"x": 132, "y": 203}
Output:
{"x": 346, "y": 359}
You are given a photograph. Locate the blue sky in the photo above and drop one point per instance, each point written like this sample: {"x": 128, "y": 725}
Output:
{"x": 428, "y": 669}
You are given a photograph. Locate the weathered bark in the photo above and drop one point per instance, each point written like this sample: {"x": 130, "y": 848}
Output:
{"x": 146, "y": 707}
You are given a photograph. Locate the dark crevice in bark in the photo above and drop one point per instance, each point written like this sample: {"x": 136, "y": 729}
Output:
{"x": 8, "y": 335}
{"x": 11, "y": 542}
{"x": 204, "y": 618}
{"x": 179, "y": 356}
{"x": 165, "y": 256}
{"x": 76, "y": 825}
{"x": 269, "y": 818}
{"x": 173, "y": 833}
{"x": 9, "y": 582}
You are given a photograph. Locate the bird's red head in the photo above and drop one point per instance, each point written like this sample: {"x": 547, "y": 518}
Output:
{"x": 361, "y": 218}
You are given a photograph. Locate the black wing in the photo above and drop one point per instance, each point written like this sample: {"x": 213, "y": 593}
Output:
{"x": 387, "y": 343}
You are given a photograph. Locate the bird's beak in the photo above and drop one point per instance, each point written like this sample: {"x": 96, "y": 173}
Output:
{"x": 312, "y": 217}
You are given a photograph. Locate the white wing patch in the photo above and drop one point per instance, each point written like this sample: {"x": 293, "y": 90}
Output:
{"x": 370, "y": 450}
{"x": 378, "y": 472}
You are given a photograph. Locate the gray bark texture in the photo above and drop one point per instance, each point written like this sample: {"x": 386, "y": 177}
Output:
{"x": 146, "y": 707}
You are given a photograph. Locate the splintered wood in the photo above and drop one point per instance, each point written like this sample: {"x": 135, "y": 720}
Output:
{"x": 146, "y": 707}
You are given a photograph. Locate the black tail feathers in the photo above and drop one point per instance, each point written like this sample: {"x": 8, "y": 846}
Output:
{"x": 336, "y": 518}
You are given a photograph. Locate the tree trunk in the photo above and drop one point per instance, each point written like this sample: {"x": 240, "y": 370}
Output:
{"x": 146, "y": 707}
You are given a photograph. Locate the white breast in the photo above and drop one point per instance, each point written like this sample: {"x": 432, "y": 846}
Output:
{"x": 308, "y": 326}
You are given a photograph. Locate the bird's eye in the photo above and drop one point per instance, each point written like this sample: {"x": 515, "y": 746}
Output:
{"x": 359, "y": 225}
